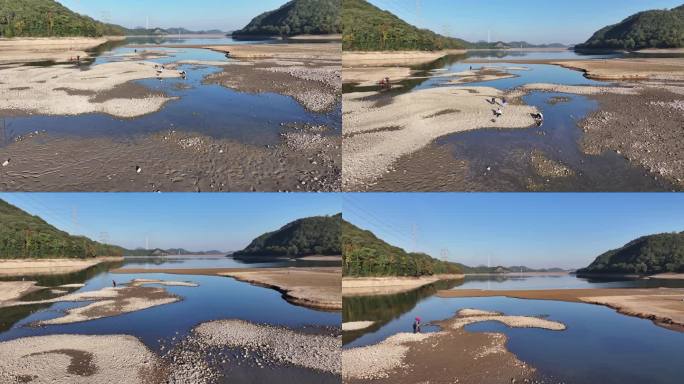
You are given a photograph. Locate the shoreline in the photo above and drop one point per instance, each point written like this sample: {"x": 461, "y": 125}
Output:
{"x": 472, "y": 357}
{"x": 19, "y": 267}
{"x": 394, "y": 58}
{"x": 315, "y": 287}
{"x": 663, "y": 306}
{"x": 57, "y": 49}
{"x": 371, "y": 286}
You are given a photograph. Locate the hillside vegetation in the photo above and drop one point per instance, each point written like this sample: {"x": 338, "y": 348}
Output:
{"x": 297, "y": 17}
{"x": 646, "y": 255}
{"x": 318, "y": 235}
{"x": 25, "y": 236}
{"x": 649, "y": 29}
{"x": 368, "y": 28}
{"x": 47, "y": 18}
{"x": 363, "y": 254}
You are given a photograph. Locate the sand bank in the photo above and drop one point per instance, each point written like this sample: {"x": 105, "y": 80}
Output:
{"x": 458, "y": 355}
{"x": 315, "y": 84}
{"x": 14, "y": 290}
{"x": 370, "y": 76}
{"x": 668, "y": 276}
{"x": 27, "y": 50}
{"x": 67, "y": 90}
{"x": 315, "y": 51}
{"x": 356, "y": 325}
{"x": 665, "y": 306}
{"x": 19, "y": 267}
{"x": 317, "y": 288}
{"x": 367, "y": 286}
{"x": 629, "y": 69}
{"x": 109, "y": 301}
{"x": 172, "y": 161}
{"x": 376, "y": 134}
{"x": 77, "y": 359}
{"x": 580, "y": 89}
{"x": 394, "y": 58}
{"x": 166, "y": 283}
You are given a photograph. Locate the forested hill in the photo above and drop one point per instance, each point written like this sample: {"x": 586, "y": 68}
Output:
{"x": 368, "y": 28}
{"x": 646, "y": 255}
{"x": 297, "y": 17}
{"x": 363, "y": 254}
{"x": 25, "y": 236}
{"x": 47, "y": 18}
{"x": 319, "y": 235}
{"x": 649, "y": 29}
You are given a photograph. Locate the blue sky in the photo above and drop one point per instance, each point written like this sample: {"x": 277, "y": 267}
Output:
{"x": 535, "y": 21}
{"x": 227, "y": 221}
{"x": 226, "y": 15}
{"x": 534, "y": 229}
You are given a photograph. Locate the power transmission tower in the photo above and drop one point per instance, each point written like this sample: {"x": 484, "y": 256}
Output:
{"x": 444, "y": 254}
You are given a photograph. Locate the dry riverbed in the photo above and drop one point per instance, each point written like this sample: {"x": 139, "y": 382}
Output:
{"x": 367, "y": 286}
{"x": 27, "y": 50}
{"x": 309, "y": 73}
{"x": 456, "y": 355}
{"x": 305, "y": 160}
{"x": 21, "y": 267}
{"x": 318, "y": 288}
{"x": 664, "y": 306}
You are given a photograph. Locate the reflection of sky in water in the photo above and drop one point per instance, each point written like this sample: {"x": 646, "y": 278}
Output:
{"x": 215, "y": 298}
{"x": 174, "y": 40}
{"x": 172, "y": 262}
{"x": 517, "y": 282}
{"x": 535, "y": 55}
{"x": 211, "y": 110}
{"x": 599, "y": 345}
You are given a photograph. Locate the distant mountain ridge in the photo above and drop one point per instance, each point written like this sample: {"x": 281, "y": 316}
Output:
{"x": 168, "y": 252}
{"x": 318, "y": 235}
{"x": 296, "y": 17}
{"x": 364, "y": 254}
{"x": 512, "y": 269}
{"x": 648, "y": 29}
{"x": 647, "y": 255}
{"x": 140, "y": 31}
{"x": 368, "y": 28}
{"x": 47, "y": 18}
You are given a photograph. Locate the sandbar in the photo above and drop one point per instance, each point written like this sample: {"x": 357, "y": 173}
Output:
{"x": 19, "y": 267}
{"x": 368, "y": 286}
{"x": 394, "y": 58}
{"x": 27, "y": 50}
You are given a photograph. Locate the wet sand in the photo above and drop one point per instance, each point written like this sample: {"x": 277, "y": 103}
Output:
{"x": 373, "y": 142}
{"x": 647, "y": 129}
{"x": 664, "y": 306}
{"x": 20, "y": 267}
{"x": 78, "y": 359}
{"x": 14, "y": 290}
{"x": 173, "y": 161}
{"x": 67, "y": 90}
{"x": 309, "y": 73}
{"x": 451, "y": 355}
{"x": 28, "y": 50}
{"x": 318, "y": 288}
{"x": 368, "y": 286}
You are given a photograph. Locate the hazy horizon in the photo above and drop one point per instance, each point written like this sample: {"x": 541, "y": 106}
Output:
{"x": 534, "y": 21}
{"x": 536, "y": 230}
{"x": 196, "y": 222}
{"x": 211, "y": 14}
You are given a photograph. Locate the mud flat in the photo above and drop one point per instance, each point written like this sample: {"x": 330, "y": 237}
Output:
{"x": 309, "y": 73}
{"x": 451, "y": 355}
{"x": 13, "y": 290}
{"x": 377, "y": 133}
{"x": 305, "y": 160}
{"x": 19, "y": 267}
{"x": 318, "y": 288}
{"x": 67, "y": 90}
{"x": 645, "y": 128}
{"x": 368, "y": 286}
{"x": 79, "y": 359}
{"x": 664, "y": 306}
{"x": 108, "y": 302}
{"x": 403, "y": 58}
{"x": 27, "y": 50}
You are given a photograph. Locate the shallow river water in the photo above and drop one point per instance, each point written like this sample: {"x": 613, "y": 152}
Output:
{"x": 599, "y": 345}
